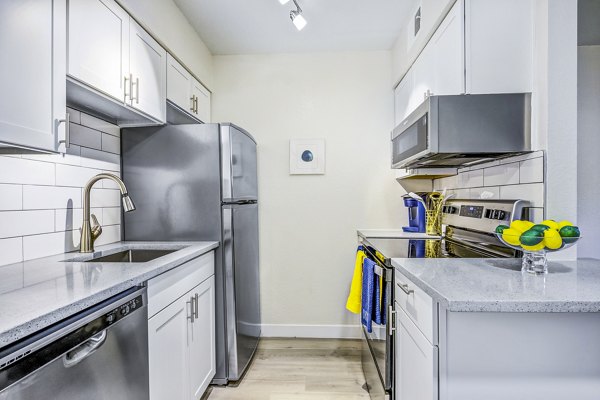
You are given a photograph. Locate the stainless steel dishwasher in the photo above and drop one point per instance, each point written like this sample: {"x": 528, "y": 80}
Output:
{"x": 100, "y": 353}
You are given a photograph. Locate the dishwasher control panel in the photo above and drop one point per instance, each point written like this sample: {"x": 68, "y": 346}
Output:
{"x": 123, "y": 310}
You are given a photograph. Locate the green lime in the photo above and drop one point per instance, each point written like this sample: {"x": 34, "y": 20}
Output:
{"x": 570, "y": 234}
{"x": 501, "y": 228}
{"x": 540, "y": 227}
{"x": 531, "y": 237}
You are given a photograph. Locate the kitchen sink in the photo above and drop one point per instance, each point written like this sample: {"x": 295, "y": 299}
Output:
{"x": 132, "y": 256}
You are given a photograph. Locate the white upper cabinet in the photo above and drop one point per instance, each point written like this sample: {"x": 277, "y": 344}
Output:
{"x": 111, "y": 54}
{"x": 99, "y": 45}
{"x": 202, "y": 101}
{"x": 184, "y": 91}
{"x": 33, "y": 47}
{"x": 499, "y": 46}
{"x": 448, "y": 55}
{"x": 148, "y": 75}
{"x": 179, "y": 85}
{"x": 481, "y": 46}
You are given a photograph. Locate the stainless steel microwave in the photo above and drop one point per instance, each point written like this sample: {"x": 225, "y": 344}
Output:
{"x": 463, "y": 130}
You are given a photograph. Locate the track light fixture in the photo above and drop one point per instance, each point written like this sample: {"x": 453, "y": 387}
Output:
{"x": 296, "y": 15}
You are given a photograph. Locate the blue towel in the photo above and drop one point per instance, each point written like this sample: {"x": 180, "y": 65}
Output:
{"x": 377, "y": 301}
{"x": 368, "y": 280}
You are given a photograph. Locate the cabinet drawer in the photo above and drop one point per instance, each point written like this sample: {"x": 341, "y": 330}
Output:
{"x": 418, "y": 305}
{"x": 168, "y": 287}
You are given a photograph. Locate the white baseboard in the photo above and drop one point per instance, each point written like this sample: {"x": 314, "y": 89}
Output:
{"x": 311, "y": 331}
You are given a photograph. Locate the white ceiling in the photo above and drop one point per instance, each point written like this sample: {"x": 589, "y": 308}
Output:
{"x": 264, "y": 26}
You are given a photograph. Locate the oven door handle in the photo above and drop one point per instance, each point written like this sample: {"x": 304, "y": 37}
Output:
{"x": 84, "y": 350}
{"x": 391, "y": 322}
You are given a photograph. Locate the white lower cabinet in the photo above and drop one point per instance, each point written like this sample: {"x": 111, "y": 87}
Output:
{"x": 416, "y": 361}
{"x": 181, "y": 330}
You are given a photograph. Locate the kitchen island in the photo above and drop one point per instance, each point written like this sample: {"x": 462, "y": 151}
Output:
{"x": 481, "y": 329}
{"x": 38, "y": 293}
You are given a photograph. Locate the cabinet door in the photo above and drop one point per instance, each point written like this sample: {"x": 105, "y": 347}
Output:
{"x": 148, "y": 68}
{"x": 202, "y": 339}
{"x": 179, "y": 85}
{"x": 98, "y": 45}
{"x": 416, "y": 362}
{"x": 203, "y": 101}
{"x": 402, "y": 97}
{"x": 423, "y": 76}
{"x": 168, "y": 351}
{"x": 33, "y": 47}
{"x": 448, "y": 53}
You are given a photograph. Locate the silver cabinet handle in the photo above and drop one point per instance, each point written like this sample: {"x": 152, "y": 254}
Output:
{"x": 137, "y": 90}
{"x": 196, "y": 300}
{"x": 405, "y": 288}
{"x": 192, "y": 103}
{"x": 196, "y": 104}
{"x": 67, "y": 122}
{"x": 125, "y": 87}
{"x": 192, "y": 313}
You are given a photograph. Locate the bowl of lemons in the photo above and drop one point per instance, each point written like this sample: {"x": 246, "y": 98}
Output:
{"x": 536, "y": 240}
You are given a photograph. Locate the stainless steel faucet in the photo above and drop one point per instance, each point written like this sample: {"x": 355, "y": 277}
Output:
{"x": 88, "y": 233}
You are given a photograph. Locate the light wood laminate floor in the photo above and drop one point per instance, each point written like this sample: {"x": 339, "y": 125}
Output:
{"x": 300, "y": 369}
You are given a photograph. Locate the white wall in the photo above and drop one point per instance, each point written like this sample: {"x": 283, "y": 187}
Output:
{"x": 554, "y": 106}
{"x": 588, "y": 177}
{"x": 41, "y": 194}
{"x": 168, "y": 24}
{"x": 308, "y": 223}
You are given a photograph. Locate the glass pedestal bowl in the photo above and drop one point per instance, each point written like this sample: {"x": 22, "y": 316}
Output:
{"x": 535, "y": 257}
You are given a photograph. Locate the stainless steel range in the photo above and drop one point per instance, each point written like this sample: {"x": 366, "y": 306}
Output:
{"x": 469, "y": 233}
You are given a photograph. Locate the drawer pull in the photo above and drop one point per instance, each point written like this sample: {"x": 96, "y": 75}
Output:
{"x": 405, "y": 288}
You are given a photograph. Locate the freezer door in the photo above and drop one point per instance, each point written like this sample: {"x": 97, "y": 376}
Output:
{"x": 238, "y": 164}
{"x": 172, "y": 175}
{"x": 242, "y": 280}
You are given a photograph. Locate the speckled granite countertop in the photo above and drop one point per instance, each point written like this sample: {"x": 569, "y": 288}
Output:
{"x": 497, "y": 285}
{"x": 38, "y": 293}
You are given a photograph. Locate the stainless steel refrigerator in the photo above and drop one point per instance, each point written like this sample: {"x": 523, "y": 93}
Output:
{"x": 198, "y": 182}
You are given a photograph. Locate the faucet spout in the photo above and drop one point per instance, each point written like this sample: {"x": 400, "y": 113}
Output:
{"x": 87, "y": 238}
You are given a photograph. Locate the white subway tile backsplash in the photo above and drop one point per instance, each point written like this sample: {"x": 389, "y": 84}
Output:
{"x": 469, "y": 179}
{"x": 106, "y": 198}
{"x": 74, "y": 115}
{"x": 11, "y": 197}
{"x": 41, "y": 194}
{"x": 111, "y": 143}
{"x": 11, "y": 250}
{"x": 111, "y": 216}
{"x": 86, "y": 137}
{"x": 25, "y": 171}
{"x": 506, "y": 174}
{"x": 45, "y": 197}
{"x": 534, "y": 192}
{"x": 69, "y": 175}
{"x": 37, "y": 246}
{"x": 490, "y": 192}
{"x": 100, "y": 125}
{"x": 101, "y": 160}
{"x": 21, "y": 223}
{"x": 532, "y": 171}
{"x": 110, "y": 234}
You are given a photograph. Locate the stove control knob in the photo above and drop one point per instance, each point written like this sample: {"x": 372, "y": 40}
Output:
{"x": 502, "y": 215}
{"x": 110, "y": 318}
{"x": 125, "y": 310}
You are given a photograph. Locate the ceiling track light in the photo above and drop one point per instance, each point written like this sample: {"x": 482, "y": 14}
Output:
{"x": 296, "y": 15}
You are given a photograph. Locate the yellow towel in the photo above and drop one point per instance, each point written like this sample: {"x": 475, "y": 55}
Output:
{"x": 354, "y": 298}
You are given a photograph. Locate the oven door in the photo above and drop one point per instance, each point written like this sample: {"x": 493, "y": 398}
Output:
{"x": 377, "y": 351}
